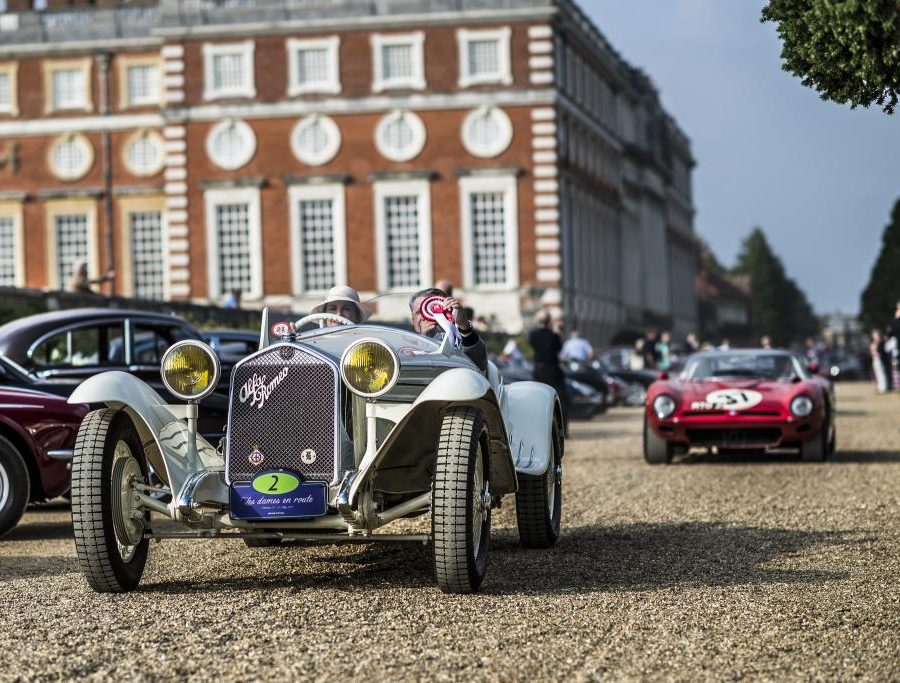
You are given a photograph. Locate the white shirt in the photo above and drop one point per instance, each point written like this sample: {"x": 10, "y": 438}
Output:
{"x": 577, "y": 348}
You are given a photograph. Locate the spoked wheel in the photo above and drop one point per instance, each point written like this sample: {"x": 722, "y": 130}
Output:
{"x": 539, "y": 500}
{"x": 109, "y": 532}
{"x": 461, "y": 502}
{"x": 15, "y": 486}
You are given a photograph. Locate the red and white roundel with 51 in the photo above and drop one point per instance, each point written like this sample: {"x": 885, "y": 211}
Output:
{"x": 734, "y": 399}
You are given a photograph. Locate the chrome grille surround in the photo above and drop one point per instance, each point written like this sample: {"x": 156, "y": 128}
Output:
{"x": 300, "y": 412}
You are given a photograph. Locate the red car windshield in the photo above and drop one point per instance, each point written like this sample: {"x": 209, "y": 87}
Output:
{"x": 771, "y": 366}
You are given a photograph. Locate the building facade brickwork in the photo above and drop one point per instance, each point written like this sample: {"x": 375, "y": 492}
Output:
{"x": 281, "y": 148}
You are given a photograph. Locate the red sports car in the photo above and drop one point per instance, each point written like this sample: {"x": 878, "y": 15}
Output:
{"x": 37, "y": 438}
{"x": 740, "y": 400}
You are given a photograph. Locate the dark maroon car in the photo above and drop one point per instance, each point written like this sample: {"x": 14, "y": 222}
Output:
{"x": 37, "y": 437}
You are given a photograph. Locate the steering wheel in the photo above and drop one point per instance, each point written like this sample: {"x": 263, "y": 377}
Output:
{"x": 321, "y": 318}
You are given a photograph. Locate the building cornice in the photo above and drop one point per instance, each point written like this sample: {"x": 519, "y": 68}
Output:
{"x": 76, "y": 47}
{"x": 357, "y": 22}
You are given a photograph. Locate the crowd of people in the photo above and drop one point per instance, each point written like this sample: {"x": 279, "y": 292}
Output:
{"x": 885, "y": 351}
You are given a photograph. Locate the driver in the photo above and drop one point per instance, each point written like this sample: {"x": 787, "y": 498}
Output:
{"x": 342, "y": 301}
{"x": 473, "y": 346}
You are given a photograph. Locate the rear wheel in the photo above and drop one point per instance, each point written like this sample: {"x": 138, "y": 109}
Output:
{"x": 657, "y": 451}
{"x": 15, "y": 486}
{"x": 461, "y": 502}
{"x": 109, "y": 534}
{"x": 539, "y": 500}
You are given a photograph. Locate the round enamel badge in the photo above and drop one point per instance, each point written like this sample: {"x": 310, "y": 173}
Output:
{"x": 308, "y": 456}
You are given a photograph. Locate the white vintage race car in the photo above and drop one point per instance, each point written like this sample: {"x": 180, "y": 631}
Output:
{"x": 332, "y": 434}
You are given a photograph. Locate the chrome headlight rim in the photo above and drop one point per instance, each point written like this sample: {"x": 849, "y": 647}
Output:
{"x": 391, "y": 382}
{"x": 217, "y": 370}
{"x": 809, "y": 402}
{"x": 663, "y": 415}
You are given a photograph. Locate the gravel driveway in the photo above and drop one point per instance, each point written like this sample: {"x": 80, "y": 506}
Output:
{"x": 710, "y": 568}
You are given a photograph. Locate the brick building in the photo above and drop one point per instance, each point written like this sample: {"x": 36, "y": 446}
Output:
{"x": 282, "y": 146}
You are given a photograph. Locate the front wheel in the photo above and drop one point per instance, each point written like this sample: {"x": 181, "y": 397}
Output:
{"x": 461, "y": 502}
{"x": 15, "y": 486}
{"x": 657, "y": 451}
{"x": 818, "y": 447}
{"x": 539, "y": 500}
{"x": 109, "y": 532}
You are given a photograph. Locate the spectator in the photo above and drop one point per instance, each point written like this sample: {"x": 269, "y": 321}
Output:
{"x": 233, "y": 300}
{"x": 649, "y": 350}
{"x": 512, "y": 353}
{"x": 445, "y": 286}
{"x": 664, "y": 352}
{"x": 692, "y": 343}
{"x": 81, "y": 283}
{"x": 766, "y": 342}
{"x": 547, "y": 346}
{"x": 876, "y": 348}
{"x": 724, "y": 346}
{"x": 636, "y": 358}
{"x": 893, "y": 347}
{"x": 577, "y": 348}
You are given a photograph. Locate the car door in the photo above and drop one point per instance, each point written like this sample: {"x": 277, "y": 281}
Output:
{"x": 62, "y": 359}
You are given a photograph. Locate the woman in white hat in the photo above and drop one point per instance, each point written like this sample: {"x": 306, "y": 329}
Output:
{"x": 342, "y": 301}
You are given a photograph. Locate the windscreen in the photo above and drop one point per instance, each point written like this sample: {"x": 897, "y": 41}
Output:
{"x": 772, "y": 366}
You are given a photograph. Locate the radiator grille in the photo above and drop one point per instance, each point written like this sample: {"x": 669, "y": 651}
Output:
{"x": 283, "y": 405}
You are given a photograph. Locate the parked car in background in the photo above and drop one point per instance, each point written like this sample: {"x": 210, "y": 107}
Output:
{"x": 751, "y": 399}
{"x": 55, "y": 352}
{"x": 636, "y": 381}
{"x": 584, "y": 400}
{"x": 231, "y": 342}
{"x": 37, "y": 436}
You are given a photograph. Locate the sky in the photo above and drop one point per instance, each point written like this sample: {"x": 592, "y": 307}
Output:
{"x": 818, "y": 177}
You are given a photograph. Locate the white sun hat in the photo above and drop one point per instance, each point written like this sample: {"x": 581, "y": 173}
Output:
{"x": 344, "y": 294}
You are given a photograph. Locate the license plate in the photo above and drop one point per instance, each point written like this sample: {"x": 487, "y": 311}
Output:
{"x": 278, "y": 494}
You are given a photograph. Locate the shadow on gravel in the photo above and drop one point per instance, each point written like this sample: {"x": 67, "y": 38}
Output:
{"x": 635, "y": 557}
{"x": 752, "y": 458}
{"x": 632, "y": 557}
{"x": 14, "y": 567}
{"x": 591, "y": 434}
{"x": 40, "y": 531}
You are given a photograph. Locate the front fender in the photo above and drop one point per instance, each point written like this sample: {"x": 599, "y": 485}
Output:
{"x": 163, "y": 431}
{"x": 412, "y": 440}
{"x": 530, "y": 408}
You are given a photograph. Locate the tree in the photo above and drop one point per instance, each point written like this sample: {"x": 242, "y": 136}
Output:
{"x": 883, "y": 291}
{"x": 847, "y": 50}
{"x": 778, "y": 307}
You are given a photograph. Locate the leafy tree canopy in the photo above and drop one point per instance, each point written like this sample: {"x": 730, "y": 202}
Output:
{"x": 847, "y": 50}
{"x": 883, "y": 291}
{"x": 779, "y": 308}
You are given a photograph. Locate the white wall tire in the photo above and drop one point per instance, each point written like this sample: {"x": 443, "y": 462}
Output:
{"x": 15, "y": 486}
{"x": 110, "y": 544}
{"x": 539, "y": 500}
{"x": 461, "y": 503}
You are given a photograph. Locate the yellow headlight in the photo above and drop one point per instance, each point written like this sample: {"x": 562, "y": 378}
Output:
{"x": 190, "y": 370}
{"x": 369, "y": 368}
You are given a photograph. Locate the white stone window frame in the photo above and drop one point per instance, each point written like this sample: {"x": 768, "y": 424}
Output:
{"x": 314, "y": 192}
{"x": 416, "y": 81}
{"x": 125, "y": 62}
{"x": 332, "y": 45}
{"x": 246, "y": 49}
{"x": 63, "y": 207}
{"x": 502, "y": 36}
{"x": 420, "y": 136}
{"x": 144, "y": 172}
{"x": 508, "y": 186}
{"x": 213, "y": 199}
{"x": 334, "y": 140}
{"x": 52, "y": 66}
{"x": 78, "y": 174}
{"x": 12, "y": 210}
{"x": 421, "y": 189}
{"x": 502, "y": 142}
{"x": 245, "y": 130}
{"x": 11, "y": 71}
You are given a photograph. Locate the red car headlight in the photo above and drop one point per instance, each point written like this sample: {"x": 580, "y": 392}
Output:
{"x": 802, "y": 406}
{"x": 664, "y": 405}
